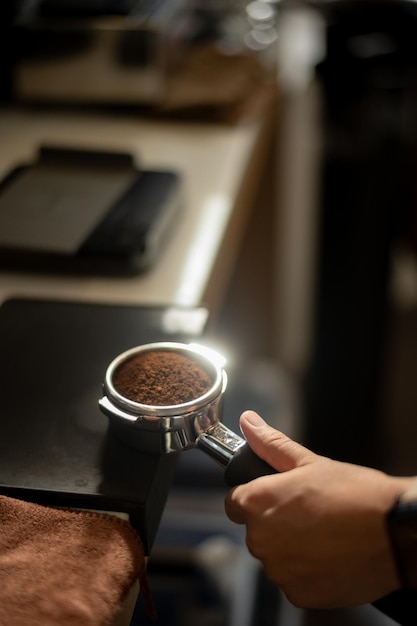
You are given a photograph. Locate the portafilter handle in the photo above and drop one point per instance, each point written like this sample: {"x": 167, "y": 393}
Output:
{"x": 232, "y": 452}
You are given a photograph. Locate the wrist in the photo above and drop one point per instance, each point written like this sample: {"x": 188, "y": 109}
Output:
{"x": 402, "y": 531}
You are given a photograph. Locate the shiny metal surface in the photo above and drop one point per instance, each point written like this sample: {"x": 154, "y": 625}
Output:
{"x": 220, "y": 443}
{"x": 166, "y": 429}
{"x": 194, "y": 352}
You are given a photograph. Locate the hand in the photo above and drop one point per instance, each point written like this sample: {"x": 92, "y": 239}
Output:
{"x": 318, "y": 526}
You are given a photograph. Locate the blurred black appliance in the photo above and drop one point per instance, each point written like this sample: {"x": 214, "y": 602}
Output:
{"x": 368, "y": 201}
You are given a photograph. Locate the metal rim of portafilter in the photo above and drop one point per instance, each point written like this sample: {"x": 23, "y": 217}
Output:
{"x": 195, "y": 423}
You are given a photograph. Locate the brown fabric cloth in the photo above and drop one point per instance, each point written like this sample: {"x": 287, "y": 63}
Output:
{"x": 66, "y": 568}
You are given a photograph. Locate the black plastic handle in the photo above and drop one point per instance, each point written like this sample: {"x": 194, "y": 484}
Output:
{"x": 245, "y": 466}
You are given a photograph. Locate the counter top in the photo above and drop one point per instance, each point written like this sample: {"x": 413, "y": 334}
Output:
{"x": 219, "y": 165}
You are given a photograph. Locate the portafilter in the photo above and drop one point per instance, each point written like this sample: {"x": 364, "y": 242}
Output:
{"x": 193, "y": 423}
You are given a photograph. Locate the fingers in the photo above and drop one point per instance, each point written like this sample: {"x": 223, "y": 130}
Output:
{"x": 280, "y": 452}
{"x": 234, "y": 510}
{"x": 272, "y": 445}
{"x": 251, "y": 500}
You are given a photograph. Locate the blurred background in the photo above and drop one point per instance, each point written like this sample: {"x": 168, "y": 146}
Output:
{"x": 321, "y": 312}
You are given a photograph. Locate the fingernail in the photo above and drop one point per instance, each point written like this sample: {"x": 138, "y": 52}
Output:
{"x": 253, "y": 419}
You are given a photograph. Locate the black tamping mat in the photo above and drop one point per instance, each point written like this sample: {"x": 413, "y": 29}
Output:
{"x": 55, "y": 444}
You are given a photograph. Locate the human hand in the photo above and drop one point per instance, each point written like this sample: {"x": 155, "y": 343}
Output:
{"x": 318, "y": 526}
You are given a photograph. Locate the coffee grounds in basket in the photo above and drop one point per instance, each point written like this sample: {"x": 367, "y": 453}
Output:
{"x": 161, "y": 378}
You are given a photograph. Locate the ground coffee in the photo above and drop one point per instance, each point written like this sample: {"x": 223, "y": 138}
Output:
{"x": 161, "y": 378}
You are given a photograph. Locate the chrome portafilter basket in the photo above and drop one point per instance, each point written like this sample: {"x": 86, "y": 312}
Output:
{"x": 166, "y": 429}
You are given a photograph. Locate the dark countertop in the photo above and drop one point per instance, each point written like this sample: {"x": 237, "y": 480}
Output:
{"x": 55, "y": 446}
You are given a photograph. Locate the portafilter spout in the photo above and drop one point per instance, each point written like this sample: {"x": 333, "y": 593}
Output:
{"x": 160, "y": 425}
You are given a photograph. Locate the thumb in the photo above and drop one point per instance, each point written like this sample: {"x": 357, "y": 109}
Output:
{"x": 272, "y": 445}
